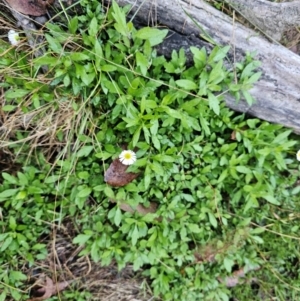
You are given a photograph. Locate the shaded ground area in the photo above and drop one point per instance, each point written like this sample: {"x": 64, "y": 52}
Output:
{"x": 64, "y": 265}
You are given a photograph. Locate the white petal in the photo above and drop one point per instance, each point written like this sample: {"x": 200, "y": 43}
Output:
{"x": 298, "y": 155}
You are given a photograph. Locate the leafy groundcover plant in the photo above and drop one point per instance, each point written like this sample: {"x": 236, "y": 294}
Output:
{"x": 224, "y": 185}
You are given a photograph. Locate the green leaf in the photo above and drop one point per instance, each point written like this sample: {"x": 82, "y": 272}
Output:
{"x": 84, "y": 192}
{"x": 108, "y": 68}
{"x": 73, "y": 25}
{"x": 9, "y": 178}
{"x": 120, "y": 18}
{"x": 282, "y": 137}
{"x": 249, "y": 99}
{"x": 153, "y": 35}
{"x": 254, "y": 78}
{"x": 8, "y": 193}
{"x": 94, "y": 27}
{"x": 16, "y": 93}
{"x": 199, "y": 56}
{"x": 136, "y": 136}
{"x": 173, "y": 113}
{"x": 78, "y": 56}
{"x": 118, "y": 217}
{"x": 228, "y": 264}
{"x": 7, "y": 242}
{"x": 81, "y": 239}
{"x": 212, "y": 220}
{"x": 54, "y": 44}
{"x": 17, "y": 276}
{"x": 186, "y": 84}
{"x": 3, "y": 296}
{"x": 188, "y": 198}
{"x": 46, "y": 60}
{"x": 147, "y": 178}
{"x": 243, "y": 169}
{"x": 194, "y": 228}
{"x": 217, "y": 74}
{"x": 109, "y": 192}
{"x": 8, "y": 108}
{"x": 257, "y": 239}
{"x": 271, "y": 199}
{"x": 85, "y": 151}
{"x": 23, "y": 180}
{"x": 134, "y": 235}
{"x": 214, "y": 103}
{"x": 217, "y": 54}
{"x": 52, "y": 179}
{"x": 142, "y": 62}
{"x": 155, "y": 142}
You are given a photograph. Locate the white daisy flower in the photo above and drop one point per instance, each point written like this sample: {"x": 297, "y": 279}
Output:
{"x": 127, "y": 157}
{"x": 13, "y": 37}
{"x": 298, "y": 155}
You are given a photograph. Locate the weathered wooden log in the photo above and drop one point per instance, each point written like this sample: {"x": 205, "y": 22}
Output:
{"x": 271, "y": 18}
{"x": 277, "y": 93}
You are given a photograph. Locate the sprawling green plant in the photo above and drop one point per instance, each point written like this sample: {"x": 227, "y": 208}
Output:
{"x": 225, "y": 184}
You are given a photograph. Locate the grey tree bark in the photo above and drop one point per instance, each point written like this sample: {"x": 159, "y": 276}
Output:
{"x": 272, "y": 18}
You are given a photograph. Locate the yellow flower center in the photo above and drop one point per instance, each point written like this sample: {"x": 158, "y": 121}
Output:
{"x": 127, "y": 156}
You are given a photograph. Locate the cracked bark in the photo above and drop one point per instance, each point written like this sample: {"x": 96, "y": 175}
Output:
{"x": 271, "y": 18}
